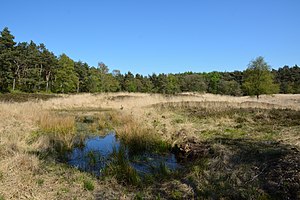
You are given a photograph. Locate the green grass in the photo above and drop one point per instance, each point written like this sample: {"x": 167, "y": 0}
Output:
{"x": 139, "y": 144}
{"x": 40, "y": 182}
{"x": 65, "y": 190}
{"x": 248, "y": 154}
{"x": 177, "y": 194}
{"x": 138, "y": 196}
{"x": 120, "y": 168}
{"x": 163, "y": 170}
{"x": 88, "y": 185}
{"x": 92, "y": 156}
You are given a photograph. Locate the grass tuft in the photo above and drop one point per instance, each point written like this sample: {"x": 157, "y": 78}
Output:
{"x": 120, "y": 168}
{"x": 40, "y": 182}
{"x": 60, "y": 130}
{"x": 88, "y": 185}
{"x": 136, "y": 135}
{"x": 56, "y": 124}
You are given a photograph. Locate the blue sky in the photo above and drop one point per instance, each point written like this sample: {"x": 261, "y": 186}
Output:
{"x": 169, "y": 36}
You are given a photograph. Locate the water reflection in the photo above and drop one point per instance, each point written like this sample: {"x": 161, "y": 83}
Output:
{"x": 94, "y": 155}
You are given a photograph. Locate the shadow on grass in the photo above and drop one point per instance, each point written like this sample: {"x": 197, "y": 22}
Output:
{"x": 241, "y": 169}
{"x": 275, "y": 167}
{"x": 23, "y": 97}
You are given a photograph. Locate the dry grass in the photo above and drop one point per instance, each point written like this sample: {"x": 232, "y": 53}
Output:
{"x": 24, "y": 176}
{"x": 136, "y": 134}
{"x": 56, "y": 129}
{"x": 51, "y": 123}
{"x": 134, "y": 102}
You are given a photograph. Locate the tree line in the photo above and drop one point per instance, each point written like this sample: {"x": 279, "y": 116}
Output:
{"x": 30, "y": 67}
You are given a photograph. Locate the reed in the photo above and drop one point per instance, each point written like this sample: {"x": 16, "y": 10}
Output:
{"x": 136, "y": 135}
{"x": 120, "y": 168}
{"x": 60, "y": 130}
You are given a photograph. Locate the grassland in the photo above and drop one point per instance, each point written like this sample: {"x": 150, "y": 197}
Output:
{"x": 230, "y": 147}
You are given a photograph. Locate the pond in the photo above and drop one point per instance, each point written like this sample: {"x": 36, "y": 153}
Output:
{"x": 95, "y": 153}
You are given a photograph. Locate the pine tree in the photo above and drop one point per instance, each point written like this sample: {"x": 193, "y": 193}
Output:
{"x": 6, "y": 40}
{"x": 65, "y": 76}
{"x": 7, "y": 46}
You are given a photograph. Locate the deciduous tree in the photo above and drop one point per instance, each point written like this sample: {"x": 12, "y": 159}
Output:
{"x": 259, "y": 79}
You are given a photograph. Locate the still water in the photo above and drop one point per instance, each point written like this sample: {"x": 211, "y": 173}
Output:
{"x": 95, "y": 153}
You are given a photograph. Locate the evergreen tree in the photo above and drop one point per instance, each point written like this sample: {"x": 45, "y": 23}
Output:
{"x": 31, "y": 68}
{"x": 289, "y": 79}
{"x": 49, "y": 63}
{"x": 192, "y": 83}
{"x": 7, "y": 48}
{"x": 94, "y": 82}
{"x": 65, "y": 76}
{"x": 130, "y": 83}
{"x": 112, "y": 84}
{"x": 229, "y": 88}
{"x": 147, "y": 85}
{"x": 82, "y": 71}
{"x": 162, "y": 83}
{"x": 172, "y": 86}
{"x": 6, "y": 75}
{"x": 154, "y": 80}
{"x": 6, "y": 40}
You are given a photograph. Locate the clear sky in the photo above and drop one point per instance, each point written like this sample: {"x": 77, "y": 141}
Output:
{"x": 169, "y": 36}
